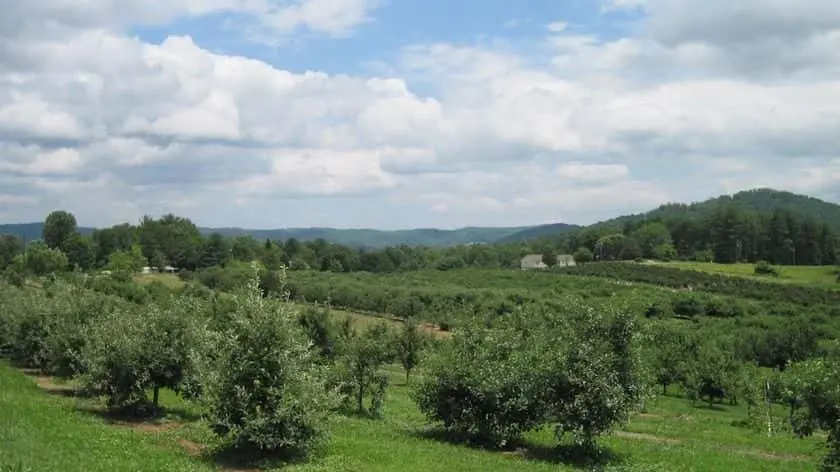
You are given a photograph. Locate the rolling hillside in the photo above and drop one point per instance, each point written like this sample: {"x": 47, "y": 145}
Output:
{"x": 536, "y": 232}
{"x": 760, "y": 200}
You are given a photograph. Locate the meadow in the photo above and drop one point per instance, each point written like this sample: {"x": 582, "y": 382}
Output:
{"x": 704, "y": 357}
{"x": 821, "y": 276}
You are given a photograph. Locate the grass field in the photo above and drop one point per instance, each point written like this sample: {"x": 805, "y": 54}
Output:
{"x": 45, "y": 431}
{"x": 169, "y": 280}
{"x": 811, "y": 275}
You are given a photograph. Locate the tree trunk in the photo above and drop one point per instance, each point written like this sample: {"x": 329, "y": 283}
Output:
{"x": 361, "y": 399}
{"x": 407, "y": 373}
{"x": 156, "y": 397}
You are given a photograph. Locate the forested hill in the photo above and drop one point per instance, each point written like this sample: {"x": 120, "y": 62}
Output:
{"x": 761, "y": 224}
{"x": 536, "y": 232}
{"x": 762, "y": 200}
{"x": 369, "y": 238}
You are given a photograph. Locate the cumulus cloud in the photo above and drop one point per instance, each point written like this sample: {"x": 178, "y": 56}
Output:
{"x": 592, "y": 128}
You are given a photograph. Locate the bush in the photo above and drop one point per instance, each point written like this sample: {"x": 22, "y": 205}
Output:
{"x": 263, "y": 385}
{"x": 481, "y": 386}
{"x": 364, "y": 355}
{"x": 764, "y": 268}
{"x": 575, "y": 369}
{"x": 133, "y": 349}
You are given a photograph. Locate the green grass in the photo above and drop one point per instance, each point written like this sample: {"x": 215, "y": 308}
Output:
{"x": 46, "y": 432}
{"x": 40, "y": 432}
{"x": 171, "y": 281}
{"x": 823, "y": 276}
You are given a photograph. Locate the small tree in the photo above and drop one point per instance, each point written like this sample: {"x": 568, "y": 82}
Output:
{"x": 583, "y": 255}
{"x": 124, "y": 264}
{"x": 817, "y": 384}
{"x": 365, "y": 354}
{"x": 764, "y": 268}
{"x": 481, "y": 384}
{"x": 410, "y": 344}
{"x": 59, "y": 226}
{"x": 549, "y": 257}
{"x": 592, "y": 376}
{"x": 262, "y": 383}
{"x": 133, "y": 349}
{"x": 39, "y": 259}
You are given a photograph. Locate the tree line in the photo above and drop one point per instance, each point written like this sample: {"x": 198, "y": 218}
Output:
{"x": 729, "y": 233}
{"x": 726, "y": 234}
{"x": 177, "y": 242}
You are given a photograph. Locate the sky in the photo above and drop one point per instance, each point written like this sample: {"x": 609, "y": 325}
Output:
{"x": 411, "y": 113}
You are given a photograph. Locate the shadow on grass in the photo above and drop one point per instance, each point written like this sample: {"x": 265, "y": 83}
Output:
{"x": 354, "y": 413}
{"x": 592, "y": 457}
{"x": 706, "y": 406}
{"x": 250, "y": 458}
{"x": 142, "y": 414}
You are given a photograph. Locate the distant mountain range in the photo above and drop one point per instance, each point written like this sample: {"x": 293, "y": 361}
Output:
{"x": 370, "y": 238}
{"x": 761, "y": 200}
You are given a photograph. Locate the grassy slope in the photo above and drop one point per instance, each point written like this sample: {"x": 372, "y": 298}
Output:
{"x": 45, "y": 433}
{"x": 823, "y": 276}
{"x": 40, "y": 433}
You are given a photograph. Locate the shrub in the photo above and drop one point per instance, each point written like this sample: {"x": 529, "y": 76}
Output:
{"x": 263, "y": 385}
{"x": 323, "y": 332}
{"x": 133, "y": 349}
{"x": 764, "y": 268}
{"x": 576, "y": 369}
{"x": 481, "y": 386}
{"x": 409, "y": 345}
{"x": 364, "y": 355}
{"x": 815, "y": 384}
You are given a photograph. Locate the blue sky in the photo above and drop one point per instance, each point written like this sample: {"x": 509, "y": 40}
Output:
{"x": 399, "y": 114}
{"x": 396, "y": 25}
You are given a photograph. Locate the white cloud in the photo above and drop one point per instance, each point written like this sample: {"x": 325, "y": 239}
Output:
{"x": 336, "y": 17}
{"x": 271, "y": 17}
{"x": 557, "y": 26}
{"x": 602, "y": 173}
{"x": 595, "y": 128}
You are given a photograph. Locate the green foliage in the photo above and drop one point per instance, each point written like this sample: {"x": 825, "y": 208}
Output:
{"x": 583, "y": 255}
{"x": 39, "y": 259}
{"x": 10, "y": 246}
{"x": 713, "y": 374}
{"x": 363, "y": 356}
{"x": 410, "y": 344}
{"x": 675, "y": 348}
{"x": 481, "y": 386}
{"x": 764, "y": 268}
{"x": 262, "y": 384}
{"x": 578, "y": 370}
{"x": 323, "y": 331}
{"x": 700, "y": 281}
{"x": 134, "y": 348}
{"x": 59, "y": 227}
{"x": 124, "y": 264}
{"x": 817, "y": 384}
{"x": 780, "y": 344}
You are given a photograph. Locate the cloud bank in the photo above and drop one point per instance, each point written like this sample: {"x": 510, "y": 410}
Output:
{"x": 577, "y": 127}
